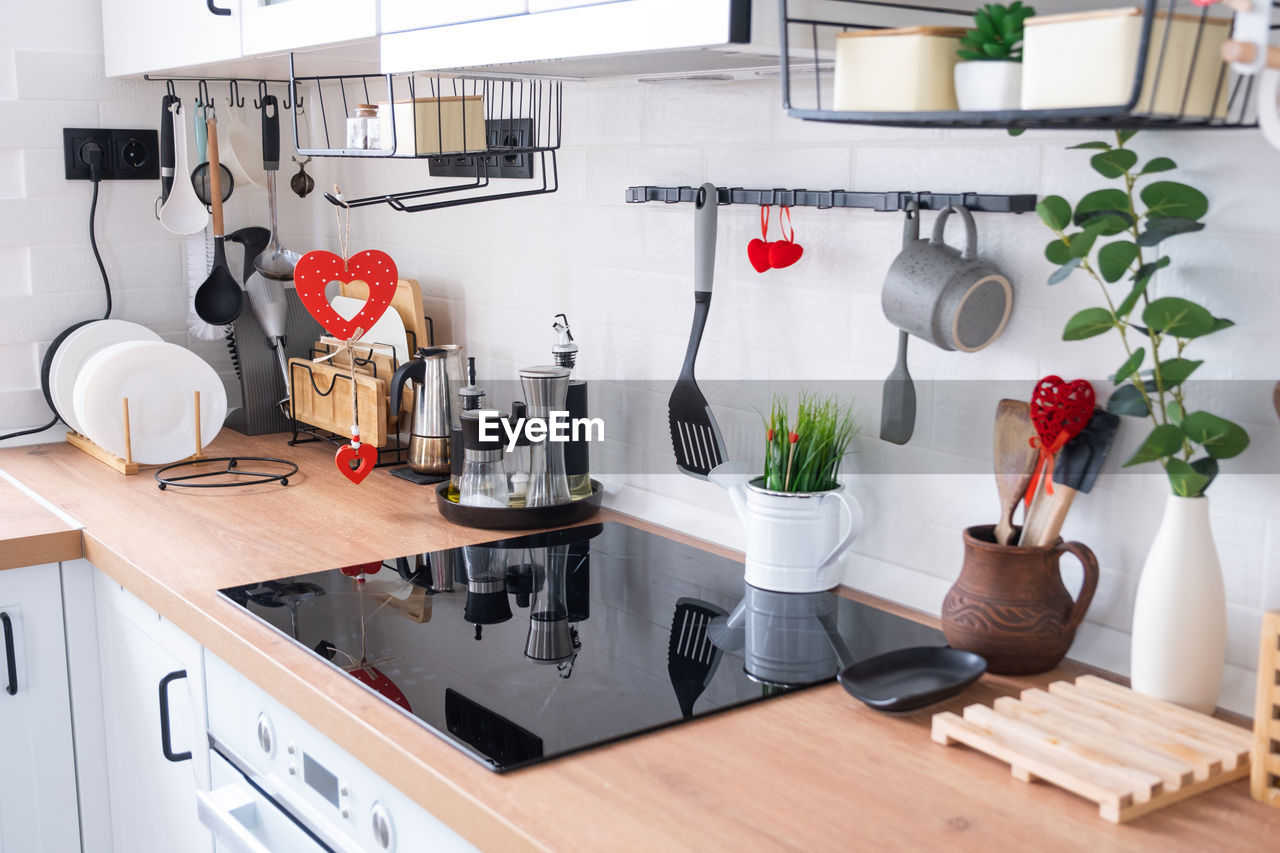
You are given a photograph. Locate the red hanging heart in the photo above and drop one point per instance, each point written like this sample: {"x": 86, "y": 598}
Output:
{"x": 362, "y": 569}
{"x": 316, "y": 269}
{"x": 758, "y": 254}
{"x": 366, "y": 453}
{"x": 1058, "y": 407}
{"x": 377, "y": 679}
{"x": 784, "y": 253}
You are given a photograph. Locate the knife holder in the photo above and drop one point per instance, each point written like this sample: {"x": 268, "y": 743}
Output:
{"x": 258, "y": 368}
{"x": 125, "y": 464}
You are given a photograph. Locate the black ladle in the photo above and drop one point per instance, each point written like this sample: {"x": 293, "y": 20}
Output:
{"x": 219, "y": 300}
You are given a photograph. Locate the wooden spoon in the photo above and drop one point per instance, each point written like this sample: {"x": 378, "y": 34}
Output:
{"x": 1015, "y": 460}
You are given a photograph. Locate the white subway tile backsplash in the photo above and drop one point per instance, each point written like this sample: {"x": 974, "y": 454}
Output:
{"x": 16, "y": 263}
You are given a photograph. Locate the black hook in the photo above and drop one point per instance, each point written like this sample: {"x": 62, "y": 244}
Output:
{"x": 262, "y": 93}
{"x": 285, "y": 104}
{"x": 234, "y": 97}
{"x": 170, "y": 89}
{"x": 202, "y": 94}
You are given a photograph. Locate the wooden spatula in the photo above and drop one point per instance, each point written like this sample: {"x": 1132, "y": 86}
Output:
{"x": 1015, "y": 459}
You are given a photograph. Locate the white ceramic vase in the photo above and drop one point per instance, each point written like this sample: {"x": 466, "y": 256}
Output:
{"x": 988, "y": 85}
{"x": 1179, "y": 639}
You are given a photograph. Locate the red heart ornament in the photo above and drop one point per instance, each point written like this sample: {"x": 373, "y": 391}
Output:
{"x": 758, "y": 254}
{"x": 784, "y": 253}
{"x": 362, "y": 569}
{"x": 316, "y": 269}
{"x": 377, "y": 679}
{"x": 366, "y": 453}
{"x": 1059, "y": 407}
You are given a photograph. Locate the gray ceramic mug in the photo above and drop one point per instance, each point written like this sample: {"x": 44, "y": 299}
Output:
{"x": 952, "y": 299}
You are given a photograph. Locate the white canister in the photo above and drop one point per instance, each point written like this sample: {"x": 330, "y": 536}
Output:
{"x": 795, "y": 540}
{"x": 902, "y": 70}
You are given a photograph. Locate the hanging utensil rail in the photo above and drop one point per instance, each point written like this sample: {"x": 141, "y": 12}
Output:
{"x": 826, "y": 199}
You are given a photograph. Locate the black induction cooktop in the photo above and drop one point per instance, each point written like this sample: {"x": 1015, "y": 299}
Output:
{"x": 533, "y": 647}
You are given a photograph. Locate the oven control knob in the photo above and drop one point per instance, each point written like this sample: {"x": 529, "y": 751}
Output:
{"x": 384, "y": 831}
{"x": 266, "y": 735}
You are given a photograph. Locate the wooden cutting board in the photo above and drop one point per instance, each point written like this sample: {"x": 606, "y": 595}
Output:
{"x": 1129, "y": 753}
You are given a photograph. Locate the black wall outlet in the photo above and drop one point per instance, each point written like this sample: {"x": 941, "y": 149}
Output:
{"x": 502, "y": 133}
{"x": 127, "y": 154}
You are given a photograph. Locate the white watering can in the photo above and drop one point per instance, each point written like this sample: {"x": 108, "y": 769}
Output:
{"x": 794, "y": 539}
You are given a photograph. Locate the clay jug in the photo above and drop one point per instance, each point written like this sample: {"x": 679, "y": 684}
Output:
{"x": 1010, "y": 605}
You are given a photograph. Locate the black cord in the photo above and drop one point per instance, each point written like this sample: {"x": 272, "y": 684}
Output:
{"x": 92, "y": 154}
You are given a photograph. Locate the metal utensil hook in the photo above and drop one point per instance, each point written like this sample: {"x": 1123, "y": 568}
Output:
{"x": 202, "y": 94}
{"x": 170, "y": 89}
{"x": 285, "y": 103}
{"x": 262, "y": 93}
{"x": 234, "y": 97}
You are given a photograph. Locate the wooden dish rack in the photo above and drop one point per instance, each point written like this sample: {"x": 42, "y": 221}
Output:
{"x": 126, "y": 463}
{"x": 320, "y": 392}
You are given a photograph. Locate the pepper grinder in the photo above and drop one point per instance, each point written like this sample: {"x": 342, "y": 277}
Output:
{"x": 545, "y": 389}
{"x": 472, "y": 397}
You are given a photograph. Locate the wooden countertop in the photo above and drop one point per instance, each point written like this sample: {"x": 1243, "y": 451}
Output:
{"x": 813, "y": 771}
{"x": 30, "y": 534}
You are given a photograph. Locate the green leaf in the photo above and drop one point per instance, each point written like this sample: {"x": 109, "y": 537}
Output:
{"x": 1174, "y": 371}
{"x": 971, "y": 55}
{"x": 984, "y": 25}
{"x": 1160, "y": 229}
{"x": 1114, "y": 259}
{"x": 1173, "y": 409}
{"x": 1207, "y": 466}
{"x": 1113, "y": 163}
{"x": 1171, "y": 199}
{"x": 1144, "y": 272}
{"x": 1054, "y": 211}
{"x": 1186, "y": 481}
{"x": 995, "y": 50}
{"x": 1101, "y": 200}
{"x": 1015, "y": 131}
{"x": 1087, "y": 324}
{"x": 1220, "y": 438}
{"x": 1099, "y": 145}
{"x": 1178, "y": 317}
{"x": 1127, "y": 304}
{"x": 1065, "y": 270}
{"x": 1130, "y": 365}
{"x": 996, "y": 11}
{"x": 1128, "y": 401}
{"x": 1164, "y": 440}
{"x": 1159, "y": 164}
{"x": 1082, "y": 243}
{"x": 1219, "y": 323}
{"x": 1057, "y": 252}
{"x": 1126, "y": 135}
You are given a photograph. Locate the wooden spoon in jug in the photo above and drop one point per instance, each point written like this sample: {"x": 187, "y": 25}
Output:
{"x": 1015, "y": 460}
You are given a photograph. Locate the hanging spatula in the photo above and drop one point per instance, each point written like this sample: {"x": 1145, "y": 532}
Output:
{"x": 695, "y": 435}
{"x": 1075, "y": 470}
{"x": 1014, "y": 460}
{"x": 898, "y": 398}
{"x": 691, "y": 656}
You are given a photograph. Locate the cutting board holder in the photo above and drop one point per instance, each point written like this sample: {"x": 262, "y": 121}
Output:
{"x": 126, "y": 465}
{"x": 1265, "y": 782}
{"x": 1129, "y": 753}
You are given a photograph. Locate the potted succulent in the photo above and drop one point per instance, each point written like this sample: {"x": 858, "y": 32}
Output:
{"x": 1179, "y": 620}
{"x": 798, "y": 518}
{"x": 990, "y": 75}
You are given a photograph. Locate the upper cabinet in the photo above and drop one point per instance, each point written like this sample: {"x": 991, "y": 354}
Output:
{"x": 150, "y": 35}
{"x": 582, "y": 39}
{"x": 272, "y": 26}
{"x": 400, "y": 15}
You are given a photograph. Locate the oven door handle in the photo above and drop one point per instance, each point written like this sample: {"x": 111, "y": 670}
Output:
{"x": 216, "y": 810}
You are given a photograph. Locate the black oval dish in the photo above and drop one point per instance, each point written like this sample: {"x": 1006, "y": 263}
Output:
{"x": 519, "y": 518}
{"x": 911, "y": 678}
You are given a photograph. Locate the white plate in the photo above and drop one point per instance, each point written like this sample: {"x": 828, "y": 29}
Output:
{"x": 75, "y": 351}
{"x": 388, "y": 330}
{"x": 159, "y": 379}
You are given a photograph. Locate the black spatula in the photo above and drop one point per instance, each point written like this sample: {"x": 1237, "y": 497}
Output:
{"x": 691, "y": 657}
{"x": 1074, "y": 470}
{"x": 695, "y": 435}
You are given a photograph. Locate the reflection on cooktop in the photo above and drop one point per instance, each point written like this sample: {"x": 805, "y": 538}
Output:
{"x": 536, "y": 646}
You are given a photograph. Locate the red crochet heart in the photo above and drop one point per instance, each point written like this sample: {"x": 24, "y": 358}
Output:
{"x": 1058, "y": 407}
{"x": 758, "y": 254}
{"x": 366, "y": 453}
{"x": 316, "y": 269}
{"x": 784, "y": 253}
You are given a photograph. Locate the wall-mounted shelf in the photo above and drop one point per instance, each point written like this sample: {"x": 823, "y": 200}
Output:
{"x": 823, "y": 199}
{"x": 808, "y": 49}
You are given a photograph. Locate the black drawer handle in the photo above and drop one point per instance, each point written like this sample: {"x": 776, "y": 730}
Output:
{"x": 166, "y": 743}
{"x": 217, "y": 10}
{"x": 12, "y": 687}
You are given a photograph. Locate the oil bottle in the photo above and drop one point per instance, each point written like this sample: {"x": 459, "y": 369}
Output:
{"x": 577, "y": 457}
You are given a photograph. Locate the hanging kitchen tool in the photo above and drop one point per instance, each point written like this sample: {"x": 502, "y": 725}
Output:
{"x": 695, "y": 435}
{"x": 898, "y": 399}
{"x": 166, "y": 149}
{"x": 219, "y": 300}
{"x": 182, "y": 212}
{"x": 1075, "y": 470}
{"x": 276, "y": 261}
{"x": 201, "y": 175}
{"x": 692, "y": 658}
{"x": 1059, "y": 410}
{"x": 302, "y": 183}
{"x": 1014, "y": 458}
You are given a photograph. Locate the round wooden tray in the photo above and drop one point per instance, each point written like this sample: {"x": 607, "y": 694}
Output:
{"x": 519, "y": 518}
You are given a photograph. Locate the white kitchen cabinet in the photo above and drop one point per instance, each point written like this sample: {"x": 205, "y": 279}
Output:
{"x": 156, "y": 35}
{"x": 400, "y": 15}
{"x": 151, "y": 671}
{"x": 37, "y": 764}
{"x": 552, "y": 5}
{"x": 274, "y": 27}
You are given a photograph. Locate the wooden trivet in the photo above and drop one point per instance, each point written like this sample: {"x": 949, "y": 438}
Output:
{"x": 1131, "y": 754}
{"x": 1266, "y": 716}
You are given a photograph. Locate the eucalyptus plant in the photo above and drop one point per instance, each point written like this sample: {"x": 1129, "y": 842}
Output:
{"x": 997, "y": 33}
{"x": 1113, "y": 235}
